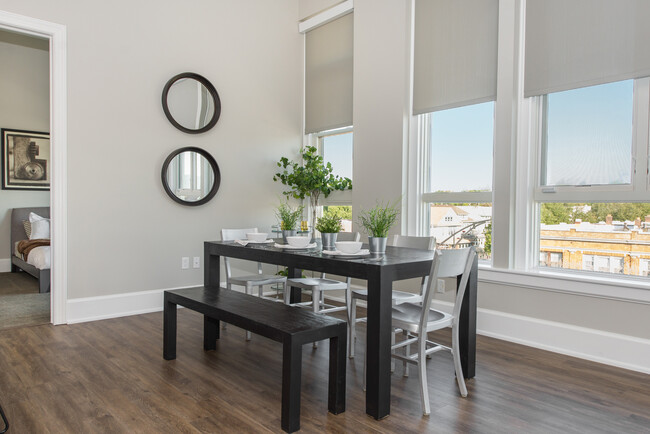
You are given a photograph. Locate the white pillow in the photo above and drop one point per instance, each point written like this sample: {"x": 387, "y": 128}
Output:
{"x": 40, "y": 227}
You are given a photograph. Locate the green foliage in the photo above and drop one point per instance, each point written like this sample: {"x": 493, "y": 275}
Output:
{"x": 555, "y": 213}
{"x": 488, "y": 239}
{"x": 287, "y": 216}
{"x": 311, "y": 178}
{"x": 378, "y": 220}
{"x": 329, "y": 224}
{"x": 342, "y": 212}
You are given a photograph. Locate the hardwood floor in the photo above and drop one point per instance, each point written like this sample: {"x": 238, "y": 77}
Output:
{"x": 109, "y": 376}
{"x": 20, "y": 302}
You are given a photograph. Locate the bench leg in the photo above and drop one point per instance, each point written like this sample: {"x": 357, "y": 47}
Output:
{"x": 336, "y": 388}
{"x": 291, "y": 375}
{"x": 210, "y": 333}
{"x": 169, "y": 330}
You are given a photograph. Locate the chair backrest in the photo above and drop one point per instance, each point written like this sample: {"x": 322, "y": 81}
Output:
{"x": 424, "y": 243}
{"x": 232, "y": 235}
{"x": 348, "y": 236}
{"x": 448, "y": 263}
{"x": 235, "y": 234}
{"x": 412, "y": 242}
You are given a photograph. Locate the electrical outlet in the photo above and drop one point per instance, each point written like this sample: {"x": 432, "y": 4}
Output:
{"x": 185, "y": 262}
{"x": 197, "y": 262}
{"x": 441, "y": 286}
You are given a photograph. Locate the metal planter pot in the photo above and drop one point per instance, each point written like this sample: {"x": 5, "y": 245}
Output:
{"x": 329, "y": 240}
{"x": 286, "y": 233}
{"x": 377, "y": 245}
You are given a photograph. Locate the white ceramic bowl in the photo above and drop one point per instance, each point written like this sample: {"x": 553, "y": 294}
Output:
{"x": 298, "y": 241}
{"x": 348, "y": 247}
{"x": 256, "y": 236}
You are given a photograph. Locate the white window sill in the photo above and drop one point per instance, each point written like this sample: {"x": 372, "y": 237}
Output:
{"x": 630, "y": 290}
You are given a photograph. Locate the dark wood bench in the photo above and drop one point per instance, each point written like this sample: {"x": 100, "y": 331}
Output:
{"x": 292, "y": 326}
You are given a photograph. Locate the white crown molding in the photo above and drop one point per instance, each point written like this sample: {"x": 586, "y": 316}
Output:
{"x": 326, "y": 16}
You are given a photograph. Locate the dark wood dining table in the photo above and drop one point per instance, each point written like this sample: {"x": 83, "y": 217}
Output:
{"x": 380, "y": 272}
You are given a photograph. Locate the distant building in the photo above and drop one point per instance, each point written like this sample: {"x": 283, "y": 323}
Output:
{"x": 459, "y": 226}
{"x": 610, "y": 246}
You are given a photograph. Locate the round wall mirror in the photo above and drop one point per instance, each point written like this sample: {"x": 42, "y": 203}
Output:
{"x": 191, "y": 176}
{"x": 191, "y": 103}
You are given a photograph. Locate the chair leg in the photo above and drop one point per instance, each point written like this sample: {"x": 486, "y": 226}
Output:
{"x": 422, "y": 365}
{"x": 249, "y": 291}
{"x": 392, "y": 351}
{"x": 315, "y": 297}
{"x": 455, "y": 351}
{"x": 407, "y": 352}
{"x": 352, "y": 326}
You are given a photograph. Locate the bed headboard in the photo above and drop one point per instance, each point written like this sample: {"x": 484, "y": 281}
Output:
{"x": 18, "y": 215}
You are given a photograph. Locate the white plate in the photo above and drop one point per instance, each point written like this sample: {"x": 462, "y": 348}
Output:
{"x": 361, "y": 252}
{"x": 289, "y": 247}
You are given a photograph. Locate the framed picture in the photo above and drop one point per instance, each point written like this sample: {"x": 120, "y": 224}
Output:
{"x": 25, "y": 160}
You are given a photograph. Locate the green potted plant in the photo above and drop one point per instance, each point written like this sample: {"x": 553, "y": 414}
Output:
{"x": 329, "y": 226}
{"x": 312, "y": 178}
{"x": 377, "y": 222}
{"x": 288, "y": 219}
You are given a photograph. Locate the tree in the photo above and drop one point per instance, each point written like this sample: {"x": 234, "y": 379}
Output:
{"x": 488, "y": 239}
{"x": 342, "y": 212}
{"x": 555, "y": 213}
{"x": 311, "y": 179}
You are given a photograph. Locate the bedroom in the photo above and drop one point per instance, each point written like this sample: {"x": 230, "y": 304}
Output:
{"x": 24, "y": 86}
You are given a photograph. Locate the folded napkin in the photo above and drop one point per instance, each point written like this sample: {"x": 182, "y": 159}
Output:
{"x": 338, "y": 252}
{"x": 242, "y": 242}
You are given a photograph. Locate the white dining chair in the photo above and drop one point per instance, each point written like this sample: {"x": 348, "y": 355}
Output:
{"x": 249, "y": 281}
{"x": 398, "y": 297}
{"x": 419, "y": 319}
{"x": 320, "y": 285}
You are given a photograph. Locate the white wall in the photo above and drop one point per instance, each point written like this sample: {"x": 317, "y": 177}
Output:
{"x": 308, "y": 8}
{"x": 124, "y": 233}
{"x": 24, "y": 105}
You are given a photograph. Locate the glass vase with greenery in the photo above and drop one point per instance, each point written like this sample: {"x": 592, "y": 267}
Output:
{"x": 311, "y": 178}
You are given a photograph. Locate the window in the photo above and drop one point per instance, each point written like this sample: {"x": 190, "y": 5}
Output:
{"x": 337, "y": 149}
{"x": 588, "y": 150}
{"x": 460, "y": 176}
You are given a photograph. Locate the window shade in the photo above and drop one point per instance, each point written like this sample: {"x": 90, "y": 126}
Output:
{"x": 455, "y": 59}
{"x": 578, "y": 43}
{"x": 328, "y": 76}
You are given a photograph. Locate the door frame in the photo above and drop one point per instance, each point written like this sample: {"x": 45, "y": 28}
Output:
{"x": 56, "y": 33}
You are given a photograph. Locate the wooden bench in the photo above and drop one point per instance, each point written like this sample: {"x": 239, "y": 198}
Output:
{"x": 292, "y": 326}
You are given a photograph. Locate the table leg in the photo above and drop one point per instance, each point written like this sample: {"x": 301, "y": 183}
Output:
{"x": 467, "y": 324}
{"x": 336, "y": 388}
{"x": 296, "y": 293}
{"x": 169, "y": 330}
{"x": 212, "y": 270}
{"x": 378, "y": 345}
{"x": 210, "y": 333}
{"x": 291, "y": 376}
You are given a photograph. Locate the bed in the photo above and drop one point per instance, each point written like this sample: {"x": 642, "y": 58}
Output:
{"x": 18, "y": 215}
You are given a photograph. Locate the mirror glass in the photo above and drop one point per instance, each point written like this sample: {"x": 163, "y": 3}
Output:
{"x": 191, "y": 176}
{"x": 191, "y": 103}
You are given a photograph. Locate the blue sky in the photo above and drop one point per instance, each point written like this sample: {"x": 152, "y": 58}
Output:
{"x": 338, "y": 151}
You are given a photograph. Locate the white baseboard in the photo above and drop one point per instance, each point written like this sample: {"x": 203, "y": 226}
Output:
{"x": 603, "y": 347}
{"x": 609, "y": 348}
{"x": 5, "y": 265}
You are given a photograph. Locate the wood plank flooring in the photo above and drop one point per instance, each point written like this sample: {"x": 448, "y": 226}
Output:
{"x": 20, "y": 302}
{"x": 109, "y": 377}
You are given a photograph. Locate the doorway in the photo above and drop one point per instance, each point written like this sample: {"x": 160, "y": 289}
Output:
{"x": 55, "y": 34}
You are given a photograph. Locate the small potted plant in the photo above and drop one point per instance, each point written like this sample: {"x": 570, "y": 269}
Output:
{"x": 377, "y": 222}
{"x": 329, "y": 226}
{"x": 288, "y": 218}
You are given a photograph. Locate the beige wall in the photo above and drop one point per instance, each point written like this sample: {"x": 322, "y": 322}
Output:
{"x": 124, "y": 233}
{"x": 24, "y": 105}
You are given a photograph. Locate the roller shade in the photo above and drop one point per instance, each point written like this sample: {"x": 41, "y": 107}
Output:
{"x": 578, "y": 43}
{"x": 328, "y": 75}
{"x": 455, "y": 58}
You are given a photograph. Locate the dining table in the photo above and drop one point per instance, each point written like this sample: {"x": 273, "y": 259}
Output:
{"x": 379, "y": 271}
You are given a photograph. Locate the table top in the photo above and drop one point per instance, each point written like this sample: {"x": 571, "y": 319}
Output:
{"x": 405, "y": 262}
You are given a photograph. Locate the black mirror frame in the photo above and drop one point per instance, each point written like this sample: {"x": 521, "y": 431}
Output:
{"x": 213, "y": 92}
{"x": 213, "y": 164}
